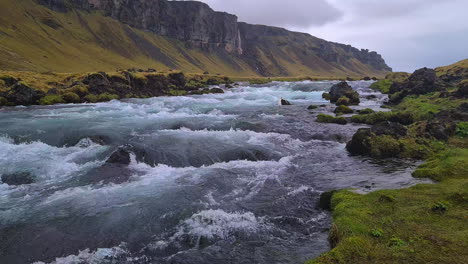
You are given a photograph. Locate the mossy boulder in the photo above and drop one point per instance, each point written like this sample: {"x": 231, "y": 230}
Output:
{"x": 51, "y": 100}
{"x": 384, "y": 147}
{"x": 366, "y": 111}
{"x": 325, "y": 200}
{"x": 326, "y": 96}
{"x": 72, "y": 98}
{"x": 312, "y": 107}
{"x": 343, "y": 109}
{"x": 342, "y": 90}
{"x": 3, "y": 101}
{"x": 360, "y": 144}
{"x": 404, "y": 118}
{"x": 178, "y": 79}
{"x": 322, "y": 118}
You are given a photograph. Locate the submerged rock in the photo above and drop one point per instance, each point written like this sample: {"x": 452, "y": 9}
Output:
{"x": 18, "y": 178}
{"x": 120, "y": 156}
{"x": 88, "y": 141}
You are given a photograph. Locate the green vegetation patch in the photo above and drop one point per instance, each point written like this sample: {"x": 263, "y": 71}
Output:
{"x": 404, "y": 118}
{"x": 51, "y": 100}
{"x": 422, "y": 224}
{"x": 383, "y": 86}
{"x": 322, "y": 118}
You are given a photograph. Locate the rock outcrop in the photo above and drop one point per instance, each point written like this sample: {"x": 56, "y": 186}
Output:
{"x": 343, "y": 94}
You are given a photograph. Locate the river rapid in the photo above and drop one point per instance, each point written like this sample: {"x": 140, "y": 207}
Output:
{"x": 222, "y": 178}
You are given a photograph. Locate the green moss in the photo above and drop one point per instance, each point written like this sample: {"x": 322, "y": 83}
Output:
{"x": 383, "y": 86}
{"x": 312, "y": 107}
{"x": 385, "y": 147}
{"x": 404, "y": 118}
{"x": 462, "y": 129}
{"x": 174, "y": 92}
{"x": 326, "y": 96}
{"x": 3, "y": 101}
{"x": 91, "y": 98}
{"x": 51, "y": 100}
{"x": 104, "y": 97}
{"x": 80, "y": 90}
{"x": 366, "y": 111}
{"x": 71, "y": 98}
{"x": 322, "y": 118}
{"x": 343, "y": 109}
{"x": 343, "y": 101}
{"x": 424, "y": 107}
{"x": 452, "y": 163}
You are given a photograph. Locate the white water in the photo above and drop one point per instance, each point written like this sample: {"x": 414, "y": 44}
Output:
{"x": 213, "y": 178}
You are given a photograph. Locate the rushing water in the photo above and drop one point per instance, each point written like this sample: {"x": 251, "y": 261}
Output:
{"x": 224, "y": 178}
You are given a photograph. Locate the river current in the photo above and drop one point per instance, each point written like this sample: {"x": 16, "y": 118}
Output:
{"x": 222, "y": 178}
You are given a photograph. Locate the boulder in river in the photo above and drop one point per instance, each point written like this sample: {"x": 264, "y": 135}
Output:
{"x": 120, "y": 156}
{"x": 343, "y": 90}
{"x": 285, "y": 102}
{"x": 18, "y": 178}
{"x": 360, "y": 143}
{"x": 88, "y": 141}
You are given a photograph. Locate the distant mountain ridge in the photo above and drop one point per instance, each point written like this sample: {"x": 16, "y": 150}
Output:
{"x": 183, "y": 35}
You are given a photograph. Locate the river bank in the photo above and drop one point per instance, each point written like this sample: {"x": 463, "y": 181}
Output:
{"x": 424, "y": 223}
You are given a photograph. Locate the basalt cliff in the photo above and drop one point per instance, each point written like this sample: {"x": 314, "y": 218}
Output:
{"x": 89, "y": 35}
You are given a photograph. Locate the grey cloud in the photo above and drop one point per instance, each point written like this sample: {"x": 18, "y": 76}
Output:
{"x": 408, "y": 33}
{"x": 294, "y": 13}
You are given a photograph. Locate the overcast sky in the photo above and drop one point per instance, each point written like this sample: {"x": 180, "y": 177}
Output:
{"x": 410, "y": 34}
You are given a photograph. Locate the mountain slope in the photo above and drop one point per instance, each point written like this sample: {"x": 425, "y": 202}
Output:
{"x": 92, "y": 35}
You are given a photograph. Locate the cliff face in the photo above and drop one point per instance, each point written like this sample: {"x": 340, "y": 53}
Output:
{"x": 189, "y": 21}
{"x": 49, "y": 35}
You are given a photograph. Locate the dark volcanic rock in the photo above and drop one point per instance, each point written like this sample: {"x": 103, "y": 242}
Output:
{"x": 343, "y": 89}
{"x": 120, "y": 156}
{"x": 18, "y": 178}
{"x": 22, "y": 94}
{"x": 360, "y": 144}
{"x": 325, "y": 200}
{"x": 393, "y": 129}
{"x": 422, "y": 81}
{"x": 216, "y": 90}
{"x": 285, "y": 102}
{"x": 463, "y": 90}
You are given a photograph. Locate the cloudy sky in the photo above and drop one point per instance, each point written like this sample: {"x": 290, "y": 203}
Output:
{"x": 410, "y": 34}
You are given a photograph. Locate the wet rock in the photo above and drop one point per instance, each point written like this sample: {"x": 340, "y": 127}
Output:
{"x": 343, "y": 90}
{"x": 88, "y": 141}
{"x": 366, "y": 78}
{"x": 312, "y": 107}
{"x": 370, "y": 97}
{"x": 285, "y": 102}
{"x": 325, "y": 200}
{"x": 393, "y": 129}
{"x": 216, "y": 90}
{"x": 440, "y": 130}
{"x": 18, "y": 178}
{"x": 120, "y": 156}
{"x": 360, "y": 143}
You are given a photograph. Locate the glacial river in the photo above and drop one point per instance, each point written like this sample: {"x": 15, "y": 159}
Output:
{"x": 222, "y": 178}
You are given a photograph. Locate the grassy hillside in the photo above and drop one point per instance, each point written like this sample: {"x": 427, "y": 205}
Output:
{"x": 35, "y": 38}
